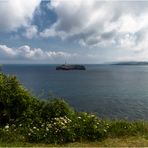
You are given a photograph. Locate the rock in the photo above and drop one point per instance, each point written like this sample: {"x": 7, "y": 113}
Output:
{"x": 70, "y": 67}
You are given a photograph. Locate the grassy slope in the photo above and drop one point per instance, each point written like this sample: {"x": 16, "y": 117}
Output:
{"x": 130, "y": 141}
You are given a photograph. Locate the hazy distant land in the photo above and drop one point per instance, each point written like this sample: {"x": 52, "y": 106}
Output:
{"x": 131, "y": 63}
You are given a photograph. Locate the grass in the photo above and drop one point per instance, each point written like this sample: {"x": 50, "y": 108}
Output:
{"x": 109, "y": 142}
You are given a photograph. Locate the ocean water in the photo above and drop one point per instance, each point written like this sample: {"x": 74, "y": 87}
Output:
{"x": 110, "y": 91}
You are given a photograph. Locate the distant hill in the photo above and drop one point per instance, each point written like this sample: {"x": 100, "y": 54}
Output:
{"x": 131, "y": 63}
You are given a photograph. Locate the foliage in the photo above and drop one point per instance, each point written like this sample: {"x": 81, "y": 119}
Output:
{"x": 26, "y": 118}
{"x": 15, "y": 102}
{"x": 120, "y": 128}
{"x": 89, "y": 127}
{"x": 56, "y": 108}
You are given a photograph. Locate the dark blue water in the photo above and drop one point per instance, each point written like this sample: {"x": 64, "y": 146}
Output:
{"x": 111, "y": 91}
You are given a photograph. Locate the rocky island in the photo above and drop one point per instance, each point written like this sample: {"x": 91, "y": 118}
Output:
{"x": 70, "y": 67}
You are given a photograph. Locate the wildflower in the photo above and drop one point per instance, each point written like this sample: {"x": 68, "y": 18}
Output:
{"x": 68, "y": 120}
{"x": 49, "y": 125}
{"x": 7, "y": 126}
{"x": 92, "y": 115}
{"x": 62, "y": 123}
{"x": 62, "y": 139}
{"x": 79, "y": 117}
{"x": 107, "y": 126}
{"x": 65, "y": 117}
{"x": 64, "y": 127}
{"x": 13, "y": 125}
{"x": 31, "y": 130}
{"x": 44, "y": 135}
{"x": 34, "y": 127}
{"x": 29, "y": 134}
{"x": 47, "y": 129}
{"x": 14, "y": 130}
{"x": 20, "y": 125}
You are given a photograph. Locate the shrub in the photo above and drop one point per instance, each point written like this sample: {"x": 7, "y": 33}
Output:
{"x": 89, "y": 127}
{"x": 15, "y": 102}
{"x": 56, "y": 108}
{"x": 57, "y": 130}
{"x": 9, "y": 134}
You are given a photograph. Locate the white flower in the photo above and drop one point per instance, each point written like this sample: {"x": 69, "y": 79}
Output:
{"x": 29, "y": 134}
{"x": 7, "y": 126}
{"x": 49, "y": 125}
{"x": 20, "y": 125}
{"x": 47, "y": 129}
{"x": 31, "y": 130}
{"x": 34, "y": 127}
{"x": 13, "y": 125}
{"x": 69, "y": 120}
{"x": 92, "y": 115}
{"x": 62, "y": 123}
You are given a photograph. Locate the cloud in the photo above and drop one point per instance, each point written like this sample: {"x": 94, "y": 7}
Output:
{"x": 16, "y": 13}
{"x": 118, "y": 24}
{"x": 31, "y": 32}
{"x": 28, "y": 53}
{"x": 7, "y": 51}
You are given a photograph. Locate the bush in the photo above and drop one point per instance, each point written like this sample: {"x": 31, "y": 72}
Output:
{"x": 9, "y": 134}
{"x": 58, "y": 130}
{"x": 15, "y": 102}
{"x": 56, "y": 108}
{"x": 89, "y": 127}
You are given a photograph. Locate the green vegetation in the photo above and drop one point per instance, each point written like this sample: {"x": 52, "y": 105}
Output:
{"x": 27, "y": 121}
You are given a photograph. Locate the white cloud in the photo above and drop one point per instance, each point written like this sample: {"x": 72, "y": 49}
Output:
{"x": 48, "y": 33}
{"x": 7, "y": 51}
{"x": 16, "y": 13}
{"x": 31, "y": 32}
{"x": 26, "y": 52}
{"x": 115, "y": 24}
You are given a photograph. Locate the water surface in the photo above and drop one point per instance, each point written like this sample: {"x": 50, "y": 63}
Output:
{"x": 111, "y": 91}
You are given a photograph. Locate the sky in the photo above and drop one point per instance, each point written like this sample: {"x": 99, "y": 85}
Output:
{"x": 75, "y": 31}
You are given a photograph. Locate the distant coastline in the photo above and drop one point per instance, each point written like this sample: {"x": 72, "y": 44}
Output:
{"x": 130, "y": 63}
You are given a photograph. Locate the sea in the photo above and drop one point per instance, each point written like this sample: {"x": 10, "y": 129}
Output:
{"x": 109, "y": 91}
